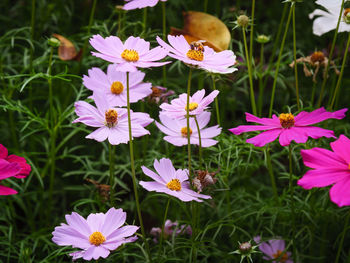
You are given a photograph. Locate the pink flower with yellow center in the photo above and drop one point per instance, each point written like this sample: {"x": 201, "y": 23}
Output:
{"x": 177, "y": 109}
{"x": 170, "y": 181}
{"x": 329, "y": 168}
{"x": 113, "y": 85}
{"x": 134, "y": 4}
{"x": 134, "y": 53}
{"x": 274, "y": 250}
{"x": 198, "y": 55}
{"x": 97, "y": 235}
{"x": 289, "y": 127}
{"x": 112, "y": 123}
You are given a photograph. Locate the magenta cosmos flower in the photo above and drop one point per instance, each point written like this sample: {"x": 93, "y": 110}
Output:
{"x": 176, "y": 130}
{"x": 197, "y": 55}
{"x": 274, "y": 250}
{"x": 177, "y": 109}
{"x": 112, "y": 123}
{"x": 170, "y": 181}
{"x": 289, "y": 127}
{"x": 113, "y": 85}
{"x": 133, "y": 54}
{"x": 329, "y": 168}
{"x": 134, "y": 4}
{"x": 25, "y": 167}
{"x": 97, "y": 235}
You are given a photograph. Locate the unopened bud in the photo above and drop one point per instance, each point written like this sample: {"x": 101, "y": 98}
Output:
{"x": 263, "y": 39}
{"x": 242, "y": 21}
{"x": 245, "y": 247}
{"x": 53, "y": 42}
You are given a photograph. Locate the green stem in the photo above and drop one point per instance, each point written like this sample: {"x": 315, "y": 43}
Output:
{"x": 272, "y": 176}
{"x": 111, "y": 172}
{"x": 32, "y": 31}
{"x": 163, "y": 224}
{"x": 291, "y": 189}
{"x": 188, "y": 122}
{"x": 330, "y": 57}
{"x": 337, "y": 88}
{"x": 340, "y": 247}
{"x": 295, "y": 58}
{"x": 164, "y": 37}
{"x": 314, "y": 85}
{"x": 200, "y": 143}
{"x": 279, "y": 62}
{"x": 261, "y": 85}
{"x": 132, "y": 162}
{"x": 216, "y": 101}
{"x": 252, "y": 33}
{"x": 205, "y": 9}
{"x": 252, "y": 97}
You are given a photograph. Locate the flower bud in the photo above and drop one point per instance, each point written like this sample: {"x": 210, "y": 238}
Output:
{"x": 245, "y": 247}
{"x": 53, "y": 42}
{"x": 243, "y": 21}
{"x": 263, "y": 39}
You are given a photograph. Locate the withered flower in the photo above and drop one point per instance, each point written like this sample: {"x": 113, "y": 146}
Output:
{"x": 103, "y": 189}
{"x": 316, "y": 60}
{"x": 160, "y": 94}
{"x": 66, "y": 49}
{"x": 203, "y": 179}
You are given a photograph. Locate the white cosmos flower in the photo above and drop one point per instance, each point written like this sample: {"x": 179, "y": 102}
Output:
{"x": 327, "y": 20}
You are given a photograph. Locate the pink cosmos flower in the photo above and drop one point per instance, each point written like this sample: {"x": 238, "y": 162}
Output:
{"x": 197, "y": 55}
{"x": 177, "y": 109}
{"x": 176, "y": 130}
{"x": 96, "y": 236}
{"x": 329, "y": 168}
{"x": 133, "y": 54}
{"x": 170, "y": 228}
{"x": 112, "y": 123}
{"x": 274, "y": 250}
{"x": 133, "y": 4}
{"x": 25, "y": 167}
{"x": 289, "y": 127}
{"x": 113, "y": 85}
{"x": 170, "y": 181}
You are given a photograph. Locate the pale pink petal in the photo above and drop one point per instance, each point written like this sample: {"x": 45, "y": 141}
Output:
{"x": 99, "y": 135}
{"x": 77, "y": 222}
{"x": 153, "y": 175}
{"x": 121, "y": 233}
{"x": 95, "y": 252}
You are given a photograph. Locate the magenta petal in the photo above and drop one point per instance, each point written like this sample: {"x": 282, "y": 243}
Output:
{"x": 3, "y": 152}
{"x": 8, "y": 169}
{"x": 7, "y": 191}
{"x": 275, "y": 122}
{"x": 341, "y": 147}
{"x": 340, "y": 193}
{"x": 322, "y": 158}
{"x": 322, "y": 177}
{"x": 316, "y": 116}
{"x": 264, "y": 137}
{"x": 248, "y": 128}
{"x": 292, "y": 134}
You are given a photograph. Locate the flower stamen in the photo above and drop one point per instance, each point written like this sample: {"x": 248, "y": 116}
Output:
{"x": 97, "y": 238}
{"x": 117, "y": 87}
{"x": 130, "y": 55}
{"x": 282, "y": 257}
{"x": 195, "y": 55}
{"x": 111, "y": 117}
{"x": 192, "y": 106}
{"x": 317, "y": 56}
{"x": 184, "y": 131}
{"x": 174, "y": 185}
{"x": 286, "y": 120}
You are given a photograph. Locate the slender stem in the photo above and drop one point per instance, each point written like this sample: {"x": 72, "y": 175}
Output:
{"x": 279, "y": 62}
{"x": 337, "y": 88}
{"x": 111, "y": 172}
{"x": 340, "y": 247}
{"x": 132, "y": 162}
{"x": 330, "y": 56}
{"x": 295, "y": 58}
{"x": 261, "y": 85}
{"x": 200, "y": 143}
{"x": 314, "y": 85}
{"x": 164, "y": 37}
{"x": 291, "y": 189}
{"x": 32, "y": 31}
{"x": 252, "y": 33}
{"x": 272, "y": 176}
{"x": 163, "y": 224}
{"x": 188, "y": 121}
{"x": 205, "y": 6}
{"x": 216, "y": 101}
{"x": 252, "y": 97}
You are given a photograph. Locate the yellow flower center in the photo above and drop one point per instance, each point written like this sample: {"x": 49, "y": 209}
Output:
{"x": 286, "y": 120}
{"x": 130, "y": 55}
{"x": 174, "y": 185}
{"x": 193, "y": 106}
{"x": 195, "y": 55}
{"x": 317, "y": 56}
{"x": 283, "y": 257}
{"x": 184, "y": 131}
{"x": 117, "y": 87}
{"x": 96, "y": 238}
{"x": 111, "y": 117}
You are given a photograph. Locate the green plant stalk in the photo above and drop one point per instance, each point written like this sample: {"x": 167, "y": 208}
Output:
{"x": 340, "y": 247}
{"x": 132, "y": 162}
{"x": 279, "y": 62}
{"x": 164, "y": 38}
{"x": 261, "y": 85}
{"x": 200, "y": 143}
{"x": 272, "y": 176}
{"x": 32, "y": 31}
{"x": 163, "y": 224}
{"x": 337, "y": 88}
{"x": 194, "y": 231}
{"x": 205, "y": 9}
{"x": 188, "y": 122}
{"x": 330, "y": 57}
{"x": 111, "y": 149}
{"x": 216, "y": 102}
{"x": 291, "y": 190}
{"x": 252, "y": 33}
{"x": 295, "y": 58}
{"x": 252, "y": 97}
